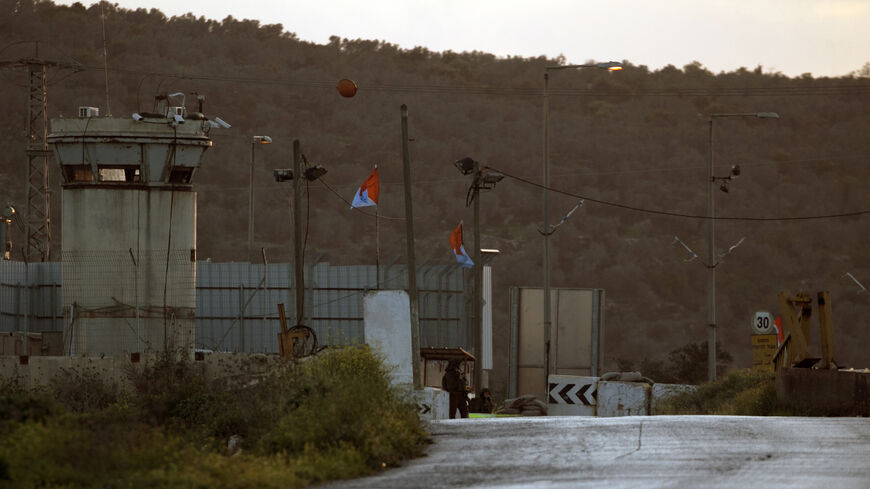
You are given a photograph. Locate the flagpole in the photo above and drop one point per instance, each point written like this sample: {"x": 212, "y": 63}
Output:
{"x": 378, "y": 251}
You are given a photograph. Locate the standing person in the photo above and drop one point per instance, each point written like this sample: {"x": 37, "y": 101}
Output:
{"x": 454, "y": 383}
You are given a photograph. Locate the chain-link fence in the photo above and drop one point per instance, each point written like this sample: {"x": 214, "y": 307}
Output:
{"x": 128, "y": 301}
{"x": 124, "y": 301}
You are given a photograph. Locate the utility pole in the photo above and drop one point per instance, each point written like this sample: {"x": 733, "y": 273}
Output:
{"x": 297, "y": 232}
{"x": 412, "y": 263}
{"x": 477, "y": 378}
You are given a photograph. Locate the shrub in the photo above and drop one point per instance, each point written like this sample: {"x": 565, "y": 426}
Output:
{"x": 741, "y": 392}
{"x": 345, "y": 397}
{"x": 82, "y": 389}
{"x": 333, "y": 416}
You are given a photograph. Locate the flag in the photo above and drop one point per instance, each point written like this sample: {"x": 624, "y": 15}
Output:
{"x": 368, "y": 192}
{"x": 459, "y": 250}
{"x": 777, "y": 324}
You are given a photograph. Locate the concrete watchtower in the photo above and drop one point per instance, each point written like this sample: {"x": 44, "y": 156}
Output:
{"x": 129, "y": 229}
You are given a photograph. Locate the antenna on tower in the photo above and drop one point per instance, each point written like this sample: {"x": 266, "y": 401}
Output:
{"x": 105, "y": 57}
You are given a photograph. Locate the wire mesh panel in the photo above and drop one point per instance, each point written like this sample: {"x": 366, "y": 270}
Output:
{"x": 125, "y": 301}
{"x": 128, "y": 301}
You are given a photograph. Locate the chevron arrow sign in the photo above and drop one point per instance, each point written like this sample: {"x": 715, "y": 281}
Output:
{"x": 572, "y": 393}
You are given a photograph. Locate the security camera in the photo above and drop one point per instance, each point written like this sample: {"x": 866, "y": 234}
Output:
{"x": 178, "y": 119}
{"x": 137, "y": 117}
{"x": 222, "y": 123}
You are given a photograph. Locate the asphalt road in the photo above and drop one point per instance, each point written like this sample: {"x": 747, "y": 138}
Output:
{"x": 637, "y": 452}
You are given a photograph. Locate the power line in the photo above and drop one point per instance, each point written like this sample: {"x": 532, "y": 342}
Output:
{"x": 858, "y": 89}
{"x": 678, "y": 214}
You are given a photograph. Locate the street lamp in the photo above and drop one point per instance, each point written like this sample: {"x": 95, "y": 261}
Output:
{"x": 480, "y": 181}
{"x": 711, "y": 237}
{"x": 254, "y": 142}
{"x": 547, "y": 231}
{"x": 300, "y": 173}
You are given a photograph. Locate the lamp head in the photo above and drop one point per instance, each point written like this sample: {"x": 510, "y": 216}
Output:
{"x": 492, "y": 178}
{"x": 283, "y": 174}
{"x": 735, "y": 171}
{"x": 465, "y": 165}
{"x": 312, "y": 173}
{"x": 767, "y": 115}
{"x": 610, "y": 65}
{"x": 261, "y": 139}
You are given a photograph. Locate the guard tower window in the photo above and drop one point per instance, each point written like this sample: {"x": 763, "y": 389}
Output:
{"x": 119, "y": 174}
{"x": 78, "y": 173}
{"x": 180, "y": 175}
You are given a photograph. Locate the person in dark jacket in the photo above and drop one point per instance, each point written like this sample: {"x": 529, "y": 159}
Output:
{"x": 455, "y": 384}
{"x": 483, "y": 402}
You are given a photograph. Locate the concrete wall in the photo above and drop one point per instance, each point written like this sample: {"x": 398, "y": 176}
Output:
{"x": 833, "y": 392}
{"x": 36, "y": 371}
{"x": 387, "y": 316}
{"x": 127, "y": 253}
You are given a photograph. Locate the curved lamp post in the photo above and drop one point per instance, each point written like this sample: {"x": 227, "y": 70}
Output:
{"x": 711, "y": 238}
{"x": 546, "y": 231}
{"x": 254, "y": 142}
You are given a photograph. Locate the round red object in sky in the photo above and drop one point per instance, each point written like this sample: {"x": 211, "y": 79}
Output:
{"x": 347, "y": 88}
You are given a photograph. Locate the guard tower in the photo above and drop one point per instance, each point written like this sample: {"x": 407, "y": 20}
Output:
{"x": 129, "y": 229}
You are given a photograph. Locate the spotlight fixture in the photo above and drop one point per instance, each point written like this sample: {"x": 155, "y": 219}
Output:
{"x": 465, "y": 165}
{"x": 283, "y": 174}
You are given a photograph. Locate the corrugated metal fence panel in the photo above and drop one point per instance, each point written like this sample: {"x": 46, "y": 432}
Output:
{"x": 30, "y": 296}
{"x": 237, "y": 303}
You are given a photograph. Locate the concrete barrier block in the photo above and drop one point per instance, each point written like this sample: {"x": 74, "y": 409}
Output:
{"x": 661, "y": 392}
{"x": 623, "y": 399}
{"x": 832, "y": 392}
{"x": 571, "y": 395}
{"x": 387, "y": 319}
{"x": 433, "y": 403}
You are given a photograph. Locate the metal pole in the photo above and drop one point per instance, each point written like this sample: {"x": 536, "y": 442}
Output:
{"x": 477, "y": 302}
{"x": 251, "y": 206}
{"x": 546, "y": 230}
{"x": 297, "y": 231}
{"x": 711, "y": 270}
{"x": 412, "y": 264}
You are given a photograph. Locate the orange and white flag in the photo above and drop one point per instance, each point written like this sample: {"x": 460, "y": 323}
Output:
{"x": 458, "y": 248}
{"x": 368, "y": 192}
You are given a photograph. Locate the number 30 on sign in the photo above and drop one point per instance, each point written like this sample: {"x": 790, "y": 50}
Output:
{"x": 762, "y": 323}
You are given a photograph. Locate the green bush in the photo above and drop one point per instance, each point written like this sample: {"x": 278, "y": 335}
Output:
{"x": 740, "y": 393}
{"x": 333, "y": 416}
{"x": 346, "y": 398}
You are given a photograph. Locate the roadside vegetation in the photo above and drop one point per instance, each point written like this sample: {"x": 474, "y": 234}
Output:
{"x": 739, "y": 393}
{"x": 335, "y": 416}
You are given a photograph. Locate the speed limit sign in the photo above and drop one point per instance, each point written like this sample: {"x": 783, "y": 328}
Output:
{"x": 762, "y": 323}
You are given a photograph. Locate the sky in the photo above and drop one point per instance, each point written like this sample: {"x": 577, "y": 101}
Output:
{"x": 793, "y": 37}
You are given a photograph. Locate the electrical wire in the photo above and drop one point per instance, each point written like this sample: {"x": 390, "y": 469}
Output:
{"x": 378, "y": 216}
{"x": 679, "y": 214}
{"x": 858, "y": 89}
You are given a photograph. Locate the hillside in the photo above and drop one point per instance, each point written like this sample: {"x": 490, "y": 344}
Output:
{"x": 638, "y": 138}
